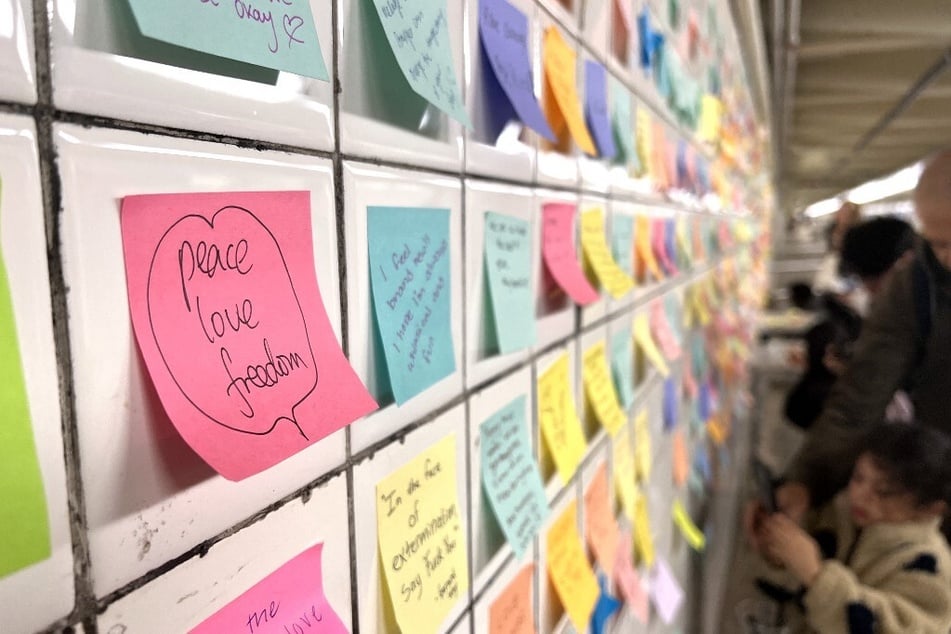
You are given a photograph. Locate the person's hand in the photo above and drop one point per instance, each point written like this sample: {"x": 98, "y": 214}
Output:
{"x": 792, "y": 498}
{"x": 786, "y": 542}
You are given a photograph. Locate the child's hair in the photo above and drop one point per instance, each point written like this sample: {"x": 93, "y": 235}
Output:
{"x": 917, "y": 458}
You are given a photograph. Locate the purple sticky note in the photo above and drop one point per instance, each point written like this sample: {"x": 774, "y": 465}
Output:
{"x": 703, "y": 405}
{"x": 670, "y": 404}
{"x": 596, "y": 108}
{"x": 503, "y": 30}
{"x": 666, "y": 593}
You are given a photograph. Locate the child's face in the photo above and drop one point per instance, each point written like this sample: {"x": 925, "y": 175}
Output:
{"x": 875, "y": 499}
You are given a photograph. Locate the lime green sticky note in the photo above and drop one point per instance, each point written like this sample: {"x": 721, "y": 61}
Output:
{"x": 25, "y": 528}
{"x": 275, "y": 34}
{"x": 418, "y": 33}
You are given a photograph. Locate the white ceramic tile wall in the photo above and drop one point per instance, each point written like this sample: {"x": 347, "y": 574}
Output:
{"x": 366, "y": 474}
{"x": 364, "y": 186}
{"x": 144, "y": 486}
{"x": 483, "y": 196}
{"x": 17, "y": 82}
{"x": 24, "y": 256}
{"x": 192, "y": 592}
{"x": 91, "y": 76}
{"x": 150, "y": 503}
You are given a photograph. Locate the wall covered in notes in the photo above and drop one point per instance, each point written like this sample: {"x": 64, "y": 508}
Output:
{"x": 373, "y": 315}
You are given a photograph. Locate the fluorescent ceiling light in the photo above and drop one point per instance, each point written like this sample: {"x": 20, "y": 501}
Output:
{"x": 903, "y": 180}
{"x": 823, "y": 207}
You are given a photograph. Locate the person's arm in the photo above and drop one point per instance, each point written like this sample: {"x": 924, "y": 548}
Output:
{"x": 910, "y": 600}
{"x": 884, "y": 355}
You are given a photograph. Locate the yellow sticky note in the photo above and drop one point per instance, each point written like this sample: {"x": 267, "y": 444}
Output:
{"x": 560, "y": 64}
{"x": 644, "y": 144}
{"x": 595, "y": 246}
{"x": 642, "y": 446}
{"x": 558, "y": 418}
{"x": 422, "y": 538}
{"x": 569, "y": 569}
{"x": 711, "y": 111}
{"x": 644, "y": 249}
{"x": 600, "y": 524}
{"x": 681, "y": 233}
{"x": 688, "y": 529}
{"x": 643, "y": 537}
{"x": 643, "y": 337}
{"x": 599, "y": 388}
{"x": 681, "y": 458}
{"x": 625, "y": 473}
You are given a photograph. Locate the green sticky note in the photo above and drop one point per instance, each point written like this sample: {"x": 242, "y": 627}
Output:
{"x": 508, "y": 261}
{"x": 622, "y": 241}
{"x": 278, "y": 34}
{"x": 411, "y": 288}
{"x": 23, "y": 522}
{"x": 418, "y": 33}
{"x": 622, "y": 367}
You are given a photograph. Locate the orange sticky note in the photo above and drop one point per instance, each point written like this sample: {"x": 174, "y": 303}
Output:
{"x": 511, "y": 612}
{"x": 422, "y": 538}
{"x": 599, "y": 388}
{"x": 602, "y": 529}
{"x": 644, "y": 339}
{"x": 569, "y": 569}
{"x": 643, "y": 247}
{"x": 560, "y": 64}
{"x": 625, "y": 473}
{"x": 642, "y": 446}
{"x": 681, "y": 458}
{"x": 598, "y": 254}
{"x": 558, "y": 418}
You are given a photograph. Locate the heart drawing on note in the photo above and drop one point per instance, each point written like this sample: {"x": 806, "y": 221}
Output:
{"x": 227, "y": 321}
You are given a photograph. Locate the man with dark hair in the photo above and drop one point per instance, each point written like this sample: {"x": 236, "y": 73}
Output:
{"x": 872, "y": 248}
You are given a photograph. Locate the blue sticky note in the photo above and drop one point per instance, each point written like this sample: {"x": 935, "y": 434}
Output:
{"x": 622, "y": 367}
{"x": 702, "y": 463}
{"x": 418, "y": 33}
{"x": 622, "y": 118}
{"x": 670, "y": 242}
{"x": 674, "y": 318}
{"x": 703, "y": 402}
{"x": 596, "y": 111}
{"x": 278, "y": 35}
{"x": 508, "y": 261}
{"x": 644, "y": 39}
{"x": 510, "y": 475}
{"x": 503, "y": 31}
{"x": 662, "y": 69}
{"x": 605, "y": 608}
{"x": 622, "y": 241}
{"x": 411, "y": 287}
{"x": 670, "y": 403}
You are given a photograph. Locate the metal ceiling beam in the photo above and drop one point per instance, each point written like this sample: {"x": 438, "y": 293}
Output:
{"x": 905, "y": 102}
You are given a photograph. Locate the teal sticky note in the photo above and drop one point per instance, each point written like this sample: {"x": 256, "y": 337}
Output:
{"x": 275, "y": 34}
{"x": 508, "y": 260}
{"x": 622, "y": 241}
{"x": 418, "y": 33}
{"x": 623, "y": 123}
{"x": 411, "y": 287}
{"x": 622, "y": 367}
{"x": 510, "y": 475}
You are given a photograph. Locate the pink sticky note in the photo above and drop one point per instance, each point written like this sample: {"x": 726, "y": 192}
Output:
{"x": 659, "y": 245}
{"x": 231, "y": 325}
{"x": 561, "y": 258}
{"x": 290, "y": 599}
{"x": 666, "y": 592}
{"x": 662, "y": 331}
{"x": 628, "y": 580}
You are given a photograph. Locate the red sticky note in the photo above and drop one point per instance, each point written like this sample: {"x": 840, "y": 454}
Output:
{"x": 290, "y": 599}
{"x": 231, "y": 325}
{"x": 560, "y": 255}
